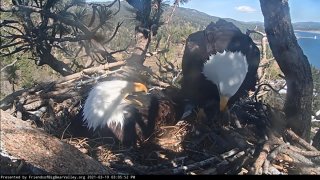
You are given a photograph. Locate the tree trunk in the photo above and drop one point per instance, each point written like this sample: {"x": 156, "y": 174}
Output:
{"x": 139, "y": 53}
{"x": 293, "y": 63}
{"x": 42, "y": 153}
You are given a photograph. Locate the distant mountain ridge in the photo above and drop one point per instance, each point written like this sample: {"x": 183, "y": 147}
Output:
{"x": 198, "y": 17}
{"x": 307, "y": 26}
{"x": 202, "y": 19}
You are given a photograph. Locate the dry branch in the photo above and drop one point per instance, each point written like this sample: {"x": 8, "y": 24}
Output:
{"x": 182, "y": 169}
{"x": 11, "y": 64}
{"x": 294, "y": 137}
{"x": 59, "y": 90}
{"x": 91, "y": 71}
{"x": 305, "y": 153}
{"x": 257, "y": 166}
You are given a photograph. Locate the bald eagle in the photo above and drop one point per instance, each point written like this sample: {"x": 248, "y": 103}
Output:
{"x": 125, "y": 109}
{"x": 219, "y": 64}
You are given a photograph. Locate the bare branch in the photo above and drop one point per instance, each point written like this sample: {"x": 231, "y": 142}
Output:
{"x": 111, "y": 4}
{"x": 5, "y": 22}
{"x": 11, "y": 64}
{"x": 294, "y": 137}
{"x": 18, "y": 49}
{"x": 93, "y": 17}
{"x": 114, "y": 33}
{"x": 89, "y": 70}
{"x": 12, "y": 44}
{"x": 70, "y": 39}
{"x": 42, "y": 26}
{"x": 118, "y": 7}
{"x": 9, "y": 26}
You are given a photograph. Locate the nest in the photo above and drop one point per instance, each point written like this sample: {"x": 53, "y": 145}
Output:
{"x": 251, "y": 138}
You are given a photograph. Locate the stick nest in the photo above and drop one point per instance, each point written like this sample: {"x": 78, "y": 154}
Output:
{"x": 249, "y": 139}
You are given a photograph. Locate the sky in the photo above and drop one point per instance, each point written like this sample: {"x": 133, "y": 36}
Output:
{"x": 249, "y": 10}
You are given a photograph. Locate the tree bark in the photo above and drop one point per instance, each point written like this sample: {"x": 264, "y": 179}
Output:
{"x": 139, "y": 53}
{"x": 42, "y": 151}
{"x": 293, "y": 63}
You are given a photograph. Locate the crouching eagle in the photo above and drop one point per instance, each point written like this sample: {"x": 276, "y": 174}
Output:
{"x": 126, "y": 109}
{"x": 219, "y": 64}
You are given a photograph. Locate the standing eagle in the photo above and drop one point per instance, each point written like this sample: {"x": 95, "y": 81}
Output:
{"x": 219, "y": 64}
{"x": 125, "y": 109}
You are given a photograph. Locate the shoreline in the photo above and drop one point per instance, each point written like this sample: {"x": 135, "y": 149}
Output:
{"x": 310, "y": 31}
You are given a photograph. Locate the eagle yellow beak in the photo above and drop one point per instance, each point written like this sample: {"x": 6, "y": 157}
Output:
{"x": 223, "y": 103}
{"x": 139, "y": 87}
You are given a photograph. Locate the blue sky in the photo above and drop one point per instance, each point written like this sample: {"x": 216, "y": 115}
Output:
{"x": 249, "y": 10}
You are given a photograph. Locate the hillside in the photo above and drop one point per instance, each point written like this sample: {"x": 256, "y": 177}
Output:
{"x": 198, "y": 20}
{"x": 184, "y": 22}
{"x": 185, "y": 15}
{"x": 201, "y": 19}
{"x": 307, "y": 26}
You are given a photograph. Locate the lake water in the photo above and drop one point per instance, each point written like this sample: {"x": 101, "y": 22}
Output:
{"x": 310, "y": 44}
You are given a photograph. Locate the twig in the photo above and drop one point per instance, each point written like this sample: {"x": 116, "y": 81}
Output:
{"x": 266, "y": 166}
{"x": 277, "y": 151}
{"x": 149, "y": 54}
{"x": 11, "y": 64}
{"x": 214, "y": 170}
{"x": 230, "y": 153}
{"x": 33, "y": 105}
{"x": 298, "y": 158}
{"x": 65, "y": 131}
{"x": 236, "y": 156}
{"x": 259, "y": 87}
{"x": 189, "y": 167}
{"x": 256, "y": 169}
{"x": 114, "y": 33}
{"x": 294, "y": 137}
{"x": 305, "y": 153}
